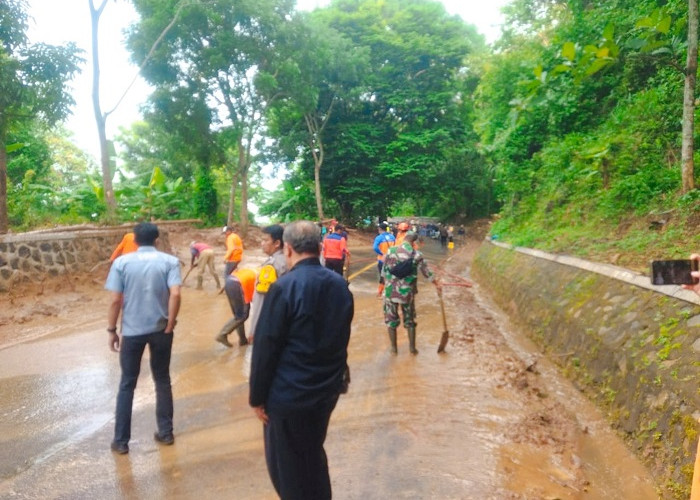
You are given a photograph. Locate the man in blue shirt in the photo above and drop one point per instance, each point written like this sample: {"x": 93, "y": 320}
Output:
{"x": 145, "y": 288}
{"x": 382, "y": 243}
{"x": 299, "y": 365}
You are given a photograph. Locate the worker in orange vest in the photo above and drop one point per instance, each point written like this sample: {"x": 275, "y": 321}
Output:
{"x": 335, "y": 250}
{"x": 239, "y": 287}
{"x": 234, "y": 250}
{"x": 126, "y": 245}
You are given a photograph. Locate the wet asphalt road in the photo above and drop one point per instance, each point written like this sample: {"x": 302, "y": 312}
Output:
{"x": 428, "y": 426}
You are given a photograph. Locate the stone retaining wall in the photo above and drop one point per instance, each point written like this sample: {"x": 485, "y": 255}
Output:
{"x": 630, "y": 346}
{"x": 31, "y": 257}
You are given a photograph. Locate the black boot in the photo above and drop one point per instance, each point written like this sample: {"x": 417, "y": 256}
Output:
{"x": 412, "y": 339}
{"x": 392, "y": 339}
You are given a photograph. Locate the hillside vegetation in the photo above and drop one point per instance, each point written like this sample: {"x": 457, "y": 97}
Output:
{"x": 587, "y": 150}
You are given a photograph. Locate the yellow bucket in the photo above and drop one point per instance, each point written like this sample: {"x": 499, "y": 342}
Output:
{"x": 450, "y": 244}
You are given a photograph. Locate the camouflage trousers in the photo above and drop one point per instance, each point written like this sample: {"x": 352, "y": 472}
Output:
{"x": 391, "y": 314}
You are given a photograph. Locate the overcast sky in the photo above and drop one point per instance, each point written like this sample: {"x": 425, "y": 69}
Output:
{"x": 61, "y": 21}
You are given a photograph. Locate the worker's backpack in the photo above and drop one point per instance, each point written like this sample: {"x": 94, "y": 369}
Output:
{"x": 267, "y": 276}
{"x": 404, "y": 268}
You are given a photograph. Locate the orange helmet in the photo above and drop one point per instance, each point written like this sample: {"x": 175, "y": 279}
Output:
{"x": 403, "y": 226}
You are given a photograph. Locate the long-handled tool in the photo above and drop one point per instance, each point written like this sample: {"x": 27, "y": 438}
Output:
{"x": 445, "y": 334}
{"x": 187, "y": 274}
{"x": 101, "y": 263}
{"x": 346, "y": 270}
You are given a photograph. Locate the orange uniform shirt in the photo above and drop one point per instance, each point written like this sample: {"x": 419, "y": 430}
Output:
{"x": 126, "y": 245}
{"x": 335, "y": 247}
{"x": 234, "y": 248}
{"x": 247, "y": 279}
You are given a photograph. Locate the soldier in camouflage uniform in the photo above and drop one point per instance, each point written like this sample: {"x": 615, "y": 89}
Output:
{"x": 402, "y": 291}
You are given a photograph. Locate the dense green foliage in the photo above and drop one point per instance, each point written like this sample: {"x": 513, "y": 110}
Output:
{"x": 587, "y": 156}
{"x": 569, "y": 126}
{"x": 33, "y": 93}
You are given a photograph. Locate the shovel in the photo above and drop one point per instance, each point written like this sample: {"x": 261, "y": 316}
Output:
{"x": 445, "y": 334}
{"x": 187, "y": 274}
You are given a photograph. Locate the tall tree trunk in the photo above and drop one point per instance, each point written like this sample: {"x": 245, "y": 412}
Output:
{"x": 101, "y": 118}
{"x": 316, "y": 146}
{"x": 317, "y": 182}
{"x": 4, "y": 219}
{"x": 691, "y": 72}
{"x": 243, "y": 164}
{"x": 232, "y": 198}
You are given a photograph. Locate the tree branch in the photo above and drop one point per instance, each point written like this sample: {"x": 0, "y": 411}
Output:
{"x": 151, "y": 51}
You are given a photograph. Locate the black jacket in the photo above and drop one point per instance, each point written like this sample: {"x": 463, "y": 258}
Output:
{"x": 301, "y": 340}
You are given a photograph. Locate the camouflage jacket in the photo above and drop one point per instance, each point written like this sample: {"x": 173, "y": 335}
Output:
{"x": 401, "y": 290}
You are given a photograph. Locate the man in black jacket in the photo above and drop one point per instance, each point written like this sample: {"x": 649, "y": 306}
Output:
{"x": 298, "y": 365}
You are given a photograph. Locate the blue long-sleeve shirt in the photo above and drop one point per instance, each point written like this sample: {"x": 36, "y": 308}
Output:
{"x": 387, "y": 238}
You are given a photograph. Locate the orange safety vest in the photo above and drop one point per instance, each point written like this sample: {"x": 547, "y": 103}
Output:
{"x": 384, "y": 247}
{"x": 247, "y": 279}
{"x": 335, "y": 247}
{"x": 234, "y": 248}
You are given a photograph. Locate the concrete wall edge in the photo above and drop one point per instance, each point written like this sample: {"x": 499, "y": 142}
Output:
{"x": 609, "y": 270}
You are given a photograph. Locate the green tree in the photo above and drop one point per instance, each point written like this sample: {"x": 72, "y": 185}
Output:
{"x": 215, "y": 50}
{"x": 205, "y": 202}
{"x": 315, "y": 70}
{"x": 387, "y": 142}
{"x": 49, "y": 179}
{"x": 33, "y": 83}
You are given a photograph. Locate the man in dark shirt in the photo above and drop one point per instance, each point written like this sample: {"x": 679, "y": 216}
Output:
{"x": 298, "y": 365}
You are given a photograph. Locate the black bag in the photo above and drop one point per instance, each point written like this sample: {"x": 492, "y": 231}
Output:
{"x": 403, "y": 268}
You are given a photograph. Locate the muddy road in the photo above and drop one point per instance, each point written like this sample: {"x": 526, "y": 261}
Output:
{"x": 488, "y": 419}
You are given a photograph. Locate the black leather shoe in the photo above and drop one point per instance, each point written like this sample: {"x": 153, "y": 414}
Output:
{"x": 119, "y": 448}
{"x": 169, "y": 439}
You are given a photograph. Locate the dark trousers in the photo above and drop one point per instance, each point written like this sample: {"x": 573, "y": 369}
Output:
{"x": 239, "y": 308}
{"x": 336, "y": 265}
{"x": 295, "y": 456}
{"x": 380, "y": 265}
{"x": 130, "y": 354}
{"x": 229, "y": 267}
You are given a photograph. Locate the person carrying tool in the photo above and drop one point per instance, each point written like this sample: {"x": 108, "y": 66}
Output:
{"x": 400, "y": 269}
{"x": 204, "y": 255}
{"x": 234, "y": 250}
{"x": 384, "y": 240}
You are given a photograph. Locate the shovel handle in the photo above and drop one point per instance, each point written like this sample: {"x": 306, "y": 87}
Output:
{"x": 445, "y": 334}
{"x": 442, "y": 309}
